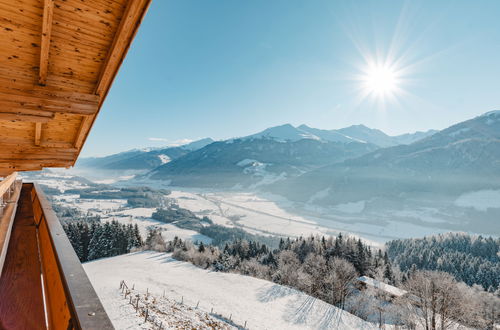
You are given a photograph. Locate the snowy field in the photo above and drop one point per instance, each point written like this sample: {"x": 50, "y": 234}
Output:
{"x": 271, "y": 215}
{"x": 261, "y": 304}
{"x": 481, "y": 200}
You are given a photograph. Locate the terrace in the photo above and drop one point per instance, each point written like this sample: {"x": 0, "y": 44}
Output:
{"x": 57, "y": 63}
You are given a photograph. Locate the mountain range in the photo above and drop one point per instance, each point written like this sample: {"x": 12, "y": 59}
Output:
{"x": 352, "y": 163}
{"x": 346, "y": 138}
{"x": 463, "y": 157}
{"x": 355, "y": 133}
{"x": 452, "y": 175}
{"x": 141, "y": 159}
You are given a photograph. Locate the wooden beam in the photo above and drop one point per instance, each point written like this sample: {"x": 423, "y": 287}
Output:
{"x": 47, "y": 101}
{"x": 44, "y": 148}
{"x": 129, "y": 24}
{"x": 48, "y": 10}
{"x": 32, "y": 164}
{"x": 38, "y": 133}
{"x": 82, "y": 131}
{"x": 25, "y": 117}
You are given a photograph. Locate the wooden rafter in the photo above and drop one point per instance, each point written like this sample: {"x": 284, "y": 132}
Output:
{"x": 38, "y": 133}
{"x": 84, "y": 127}
{"x": 48, "y": 10}
{"x": 46, "y": 102}
{"x": 19, "y": 116}
{"x": 132, "y": 18}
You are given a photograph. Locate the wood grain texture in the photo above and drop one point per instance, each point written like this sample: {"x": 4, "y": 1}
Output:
{"x": 21, "y": 303}
{"x": 57, "y": 62}
{"x": 48, "y": 13}
{"x": 7, "y": 183}
{"x": 38, "y": 133}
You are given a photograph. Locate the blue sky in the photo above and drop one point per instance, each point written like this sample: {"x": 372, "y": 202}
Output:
{"x": 231, "y": 68}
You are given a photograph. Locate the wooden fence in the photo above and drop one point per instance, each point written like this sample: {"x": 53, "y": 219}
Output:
{"x": 146, "y": 306}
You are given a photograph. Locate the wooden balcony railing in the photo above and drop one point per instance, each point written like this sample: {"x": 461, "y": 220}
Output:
{"x": 43, "y": 284}
{"x": 9, "y": 194}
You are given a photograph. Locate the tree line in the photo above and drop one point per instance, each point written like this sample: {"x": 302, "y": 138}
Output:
{"x": 324, "y": 267}
{"x": 469, "y": 258}
{"x": 93, "y": 239}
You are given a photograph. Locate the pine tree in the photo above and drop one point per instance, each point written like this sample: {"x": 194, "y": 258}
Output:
{"x": 388, "y": 274}
{"x": 201, "y": 248}
{"x": 97, "y": 245}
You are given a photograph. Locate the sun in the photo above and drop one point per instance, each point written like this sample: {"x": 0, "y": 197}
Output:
{"x": 380, "y": 80}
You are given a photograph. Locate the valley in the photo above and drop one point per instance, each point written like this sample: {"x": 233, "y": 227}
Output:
{"x": 272, "y": 215}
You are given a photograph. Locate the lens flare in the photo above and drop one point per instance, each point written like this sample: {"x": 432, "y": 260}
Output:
{"x": 380, "y": 81}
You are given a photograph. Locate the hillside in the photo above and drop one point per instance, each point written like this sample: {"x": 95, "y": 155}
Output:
{"x": 451, "y": 178}
{"x": 261, "y": 304}
{"x": 463, "y": 157}
{"x": 141, "y": 159}
{"x": 245, "y": 162}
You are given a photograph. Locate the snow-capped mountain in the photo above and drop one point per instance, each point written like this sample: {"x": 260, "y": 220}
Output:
{"x": 141, "y": 159}
{"x": 151, "y": 158}
{"x": 464, "y": 157}
{"x": 329, "y": 135}
{"x": 272, "y": 155}
{"x": 283, "y": 133}
{"x": 355, "y": 133}
{"x": 379, "y": 138}
{"x": 251, "y": 161}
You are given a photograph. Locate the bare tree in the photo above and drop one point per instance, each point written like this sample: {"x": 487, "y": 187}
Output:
{"x": 288, "y": 268}
{"x": 434, "y": 299}
{"x": 314, "y": 267}
{"x": 342, "y": 279}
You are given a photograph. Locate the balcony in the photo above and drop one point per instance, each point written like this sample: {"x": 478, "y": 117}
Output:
{"x": 42, "y": 283}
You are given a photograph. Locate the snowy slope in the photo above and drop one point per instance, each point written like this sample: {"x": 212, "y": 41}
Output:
{"x": 283, "y": 133}
{"x": 262, "y": 304}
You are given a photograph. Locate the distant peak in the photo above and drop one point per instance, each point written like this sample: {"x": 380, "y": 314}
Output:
{"x": 359, "y": 126}
{"x": 491, "y": 113}
{"x": 287, "y": 125}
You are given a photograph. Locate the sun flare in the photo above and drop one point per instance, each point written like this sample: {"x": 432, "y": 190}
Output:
{"x": 380, "y": 80}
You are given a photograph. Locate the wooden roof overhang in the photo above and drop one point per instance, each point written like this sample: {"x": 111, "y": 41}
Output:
{"x": 58, "y": 59}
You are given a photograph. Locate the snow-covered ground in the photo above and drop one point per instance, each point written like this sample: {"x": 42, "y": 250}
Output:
{"x": 247, "y": 210}
{"x": 481, "y": 200}
{"x": 267, "y": 214}
{"x": 261, "y": 304}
